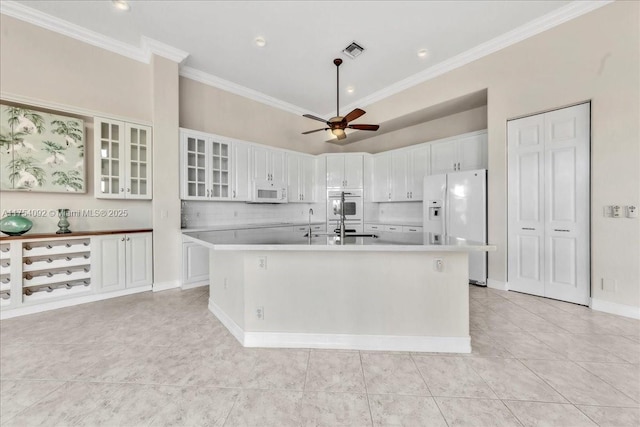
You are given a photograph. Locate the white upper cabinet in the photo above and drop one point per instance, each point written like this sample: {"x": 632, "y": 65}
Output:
{"x": 122, "y": 160}
{"x": 465, "y": 152}
{"x": 398, "y": 174}
{"x": 381, "y": 177}
{"x": 301, "y": 171}
{"x": 205, "y": 167}
{"x": 240, "y": 173}
{"x": 269, "y": 164}
{"x": 345, "y": 171}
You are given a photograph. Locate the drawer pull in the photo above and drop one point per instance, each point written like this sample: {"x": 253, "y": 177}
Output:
{"x": 529, "y": 228}
{"x": 561, "y": 229}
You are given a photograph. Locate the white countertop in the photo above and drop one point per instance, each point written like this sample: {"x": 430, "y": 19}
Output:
{"x": 281, "y": 240}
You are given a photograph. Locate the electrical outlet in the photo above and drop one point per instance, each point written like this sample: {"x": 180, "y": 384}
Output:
{"x": 260, "y": 313}
{"x": 262, "y": 262}
{"x": 438, "y": 264}
{"x": 616, "y": 211}
{"x": 607, "y": 211}
{"x": 632, "y": 212}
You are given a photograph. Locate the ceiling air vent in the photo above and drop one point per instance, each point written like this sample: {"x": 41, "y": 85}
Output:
{"x": 353, "y": 50}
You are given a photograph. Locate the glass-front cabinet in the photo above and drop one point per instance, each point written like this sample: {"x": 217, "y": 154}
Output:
{"x": 205, "y": 167}
{"x": 122, "y": 160}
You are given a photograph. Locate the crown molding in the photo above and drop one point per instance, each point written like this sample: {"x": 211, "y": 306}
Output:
{"x": 226, "y": 85}
{"x": 154, "y": 47}
{"x": 530, "y": 29}
{"x": 150, "y": 46}
{"x": 40, "y": 19}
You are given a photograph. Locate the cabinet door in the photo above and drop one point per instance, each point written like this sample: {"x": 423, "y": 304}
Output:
{"x": 419, "y": 163}
{"x": 219, "y": 175}
{"x": 444, "y": 156}
{"x": 109, "y": 143}
{"x": 278, "y": 166}
{"x": 399, "y": 170}
{"x": 138, "y": 166}
{"x": 260, "y": 160}
{"x": 472, "y": 152}
{"x": 335, "y": 171}
{"x": 294, "y": 190}
{"x": 108, "y": 262}
{"x": 381, "y": 176}
{"x": 139, "y": 252}
{"x": 240, "y": 170}
{"x": 194, "y": 167}
{"x": 353, "y": 171}
{"x": 195, "y": 263}
{"x": 307, "y": 175}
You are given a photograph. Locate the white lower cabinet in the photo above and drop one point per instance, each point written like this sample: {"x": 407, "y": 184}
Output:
{"x": 122, "y": 261}
{"x": 195, "y": 264}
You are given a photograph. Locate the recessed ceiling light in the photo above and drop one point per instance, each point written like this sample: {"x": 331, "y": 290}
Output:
{"x": 260, "y": 42}
{"x": 121, "y": 4}
{"x": 422, "y": 53}
{"x": 350, "y": 89}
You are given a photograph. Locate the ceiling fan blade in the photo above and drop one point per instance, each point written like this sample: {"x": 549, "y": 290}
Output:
{"x": 364, "y": 127}
{"x": 311, "y": 116}
{"x": 312, "y": 131}
{"x": 354, "y": 114}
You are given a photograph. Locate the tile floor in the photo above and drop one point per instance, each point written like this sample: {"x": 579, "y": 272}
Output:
{"x": 163, "y": 359}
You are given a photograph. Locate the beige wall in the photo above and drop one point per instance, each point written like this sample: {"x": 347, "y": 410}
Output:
{"x": 46, "y": 69}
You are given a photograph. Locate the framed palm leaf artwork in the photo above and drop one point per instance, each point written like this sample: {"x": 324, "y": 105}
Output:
{"x": 41, "y": 151}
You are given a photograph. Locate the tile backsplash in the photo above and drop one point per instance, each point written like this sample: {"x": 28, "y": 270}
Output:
{"x": 206, "y": 214}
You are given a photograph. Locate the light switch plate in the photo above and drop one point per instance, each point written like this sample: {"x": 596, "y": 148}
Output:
{"x": 607, "y": 211}
{"x": 632, "y": 212}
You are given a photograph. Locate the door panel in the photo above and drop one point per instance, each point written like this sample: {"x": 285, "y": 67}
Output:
{"x": 562, "y": 261}
{"x": 399, "y": 189}
{"x": 353, "y": 173}
{"x": 529, "y": 179}
{"x": 139, "y": 259}
{"x": 335, "y": 171}
{"x": 419, "y": 168}
{"x": 472, "y": 152}
{"x": 108, "y": 262}
{"x": 443, "y": 157}
{"x": 526, "y": 205}
{"x": 561, "y": 186}
{"x": 381, "y": 172}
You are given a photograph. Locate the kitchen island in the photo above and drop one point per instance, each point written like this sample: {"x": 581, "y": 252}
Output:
{"x": 393, "y": 292}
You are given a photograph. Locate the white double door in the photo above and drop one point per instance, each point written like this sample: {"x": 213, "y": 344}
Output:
{"x": 548, "y": 204}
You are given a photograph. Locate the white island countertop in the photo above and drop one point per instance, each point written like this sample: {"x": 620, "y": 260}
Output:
{"x": 281, "y": 240}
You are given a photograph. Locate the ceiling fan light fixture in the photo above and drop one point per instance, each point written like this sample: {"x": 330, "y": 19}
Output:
{"x": 423, "y": 53}
{"x": 337, "y": 132}
{"x": 260, "y": 41}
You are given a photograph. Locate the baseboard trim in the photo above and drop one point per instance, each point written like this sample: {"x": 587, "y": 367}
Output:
{"x": 497, "y": 284}
{"x": 164, "y": 286}
{"x": 615, "y": 308}
{"x": 54, "y": 305}
{"x": 342, "y": 341}
{"x": 186, "y": 286}
{"x": 227, "y": 321}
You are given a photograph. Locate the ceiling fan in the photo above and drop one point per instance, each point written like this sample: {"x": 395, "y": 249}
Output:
{"x": 338, "y": 124}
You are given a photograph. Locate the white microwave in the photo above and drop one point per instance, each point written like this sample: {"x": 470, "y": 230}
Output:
{"x": 265, "y": 191}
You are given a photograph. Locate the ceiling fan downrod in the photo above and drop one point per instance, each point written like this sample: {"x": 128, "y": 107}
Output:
{"x": 337, "y": 62}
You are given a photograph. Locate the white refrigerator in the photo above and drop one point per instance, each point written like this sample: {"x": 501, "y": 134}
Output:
{"x": 455, "y": 205}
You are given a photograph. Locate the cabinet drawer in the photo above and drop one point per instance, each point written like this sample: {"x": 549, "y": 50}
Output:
{"x": 393, "y": 228}
{"x": 369, "y": 228}
{"x": 407, "y": 229}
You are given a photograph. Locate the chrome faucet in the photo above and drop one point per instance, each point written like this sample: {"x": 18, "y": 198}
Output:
{"x": 309, "y": 232}
{"x": 342, "y": 217}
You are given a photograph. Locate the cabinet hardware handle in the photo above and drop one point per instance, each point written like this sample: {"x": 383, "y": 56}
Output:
{"x": 68, "y": 258}
{"x": 411, "y": 194}
{"x": 128, "y": 190}
{"x": 49, "y": 246}
{"x": 122, "y": 190}
{"x": 28, "y": 261}
{"x": 49, "y": 260}
{"x": 128, "y": 239}
{"x": 234, "y": 194}
{"x": 122, "y": 240}
{"x": 407, "y": 194}
{"x": 528, "y": 228}
{"x": 561, "y": 229}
